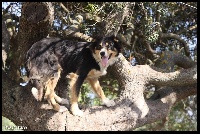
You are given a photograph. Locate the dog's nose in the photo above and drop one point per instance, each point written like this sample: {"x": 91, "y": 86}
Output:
{"x": 102, "y": 53}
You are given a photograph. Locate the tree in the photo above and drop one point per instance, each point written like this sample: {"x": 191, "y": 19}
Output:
{"x": 143, "y": 28}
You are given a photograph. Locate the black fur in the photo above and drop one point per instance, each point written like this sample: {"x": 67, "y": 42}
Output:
{"x": 45, "y": 57}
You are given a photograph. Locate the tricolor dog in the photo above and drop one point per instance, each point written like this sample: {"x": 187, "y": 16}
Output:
{"x": 52, "y": 58}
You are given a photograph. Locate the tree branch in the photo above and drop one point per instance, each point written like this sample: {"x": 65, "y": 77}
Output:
{"x": 64, "y": 8}
{"x": 177, "y": 78}
{"x": 168, "y": 59}
{"x": 35, "y": 23}
{"x": 186, "y": 30}
{"x": 175, "y": 36}
{"x": 82, "y": 36}
{"x": 130, "y": 111}
{"x": 5, "y": 43}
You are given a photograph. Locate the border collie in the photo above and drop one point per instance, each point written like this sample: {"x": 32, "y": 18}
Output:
{"x": 52, "y": 58}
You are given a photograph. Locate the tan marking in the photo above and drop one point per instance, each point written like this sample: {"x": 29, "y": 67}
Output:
{"x": 73, "y": 95}
{"x": 114, "y": 53}
{"x": 97, "y": 51}
{"x": 40, "y": 94}
{"x": 96, "y": 55}
{"x": 50, "y": 93}
{"x": 115, "y": 39}
{"x": 73, "y": 98}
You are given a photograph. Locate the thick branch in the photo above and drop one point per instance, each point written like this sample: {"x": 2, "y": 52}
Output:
{"x": 126, "y": 38}
{"x": 167, "y": 93}
{"x": 175, "y": 36}
{"x": 131, "y": 110}
{"x": 75, "y": 27}
{"x": 165, "y": 98}
{"x": 5, "y": 44}
{"x": 35, "y": 22}
{"x": 168, "y": 59}
{"x": 178, "y": 78}
{"x": 114, "y": 20}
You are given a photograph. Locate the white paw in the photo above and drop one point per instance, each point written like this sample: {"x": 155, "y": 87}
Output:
{"x": 35, "y": 93}
{"x": 108, "y": 102}
{"x": 62, "y": 109}
{"x": 64, "y": 101}
{"x": 76, "y": 111}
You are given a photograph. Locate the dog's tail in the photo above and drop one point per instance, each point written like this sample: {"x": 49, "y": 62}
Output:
{"x": 37, "y": 89}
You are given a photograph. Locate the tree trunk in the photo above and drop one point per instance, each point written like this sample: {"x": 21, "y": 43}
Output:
{"x": 35, "y": 22}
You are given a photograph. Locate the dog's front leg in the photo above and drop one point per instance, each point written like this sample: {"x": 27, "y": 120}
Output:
{"x": 94, "y": 82}
{"x": 75, "y": 85}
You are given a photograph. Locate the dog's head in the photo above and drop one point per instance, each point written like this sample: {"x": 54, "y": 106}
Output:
{"x": 105, "y": 50}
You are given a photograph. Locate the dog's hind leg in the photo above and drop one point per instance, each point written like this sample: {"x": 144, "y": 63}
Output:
{"x": 37, "y": 90}
{"x": 60, "y": 100}
{"x": 94, "y": 82}
{"x": 50, "y": 95}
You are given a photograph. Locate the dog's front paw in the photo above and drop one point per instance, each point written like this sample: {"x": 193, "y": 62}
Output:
{"x": 62, "y": 109}
{"x": 75, "y": 110}
{"x": 108, "y": 102}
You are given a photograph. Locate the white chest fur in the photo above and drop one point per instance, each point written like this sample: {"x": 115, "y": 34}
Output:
{"x": 96, "y": 73}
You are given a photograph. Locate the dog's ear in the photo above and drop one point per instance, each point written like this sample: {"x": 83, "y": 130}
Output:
{"x": 92, "y": 46}
{"x": 95, "y": 42}
{"x": 117, "y": 43}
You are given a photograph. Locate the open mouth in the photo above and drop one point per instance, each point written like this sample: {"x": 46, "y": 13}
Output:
{"x": 104, "y": 60}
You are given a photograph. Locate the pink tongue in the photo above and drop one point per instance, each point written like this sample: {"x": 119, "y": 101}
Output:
{"x": 104, "y": 61}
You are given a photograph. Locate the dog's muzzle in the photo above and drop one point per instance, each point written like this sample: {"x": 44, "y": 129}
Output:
{"x": 104, "y": 58}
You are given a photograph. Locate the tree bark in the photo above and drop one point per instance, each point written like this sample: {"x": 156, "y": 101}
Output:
{"x": 35, "y": 22}
{"x": 5, "y": 43}
{"x": 130, "y": 111}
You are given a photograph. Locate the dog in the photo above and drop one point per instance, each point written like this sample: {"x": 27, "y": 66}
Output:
{"x": 52, "y": 58}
